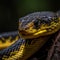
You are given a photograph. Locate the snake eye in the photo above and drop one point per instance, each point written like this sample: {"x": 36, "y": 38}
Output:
{"x": 37, "y": 23}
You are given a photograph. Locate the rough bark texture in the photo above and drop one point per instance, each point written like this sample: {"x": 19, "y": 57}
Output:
{"x": 50, "y": 50}
{"x": 54, "y": 53}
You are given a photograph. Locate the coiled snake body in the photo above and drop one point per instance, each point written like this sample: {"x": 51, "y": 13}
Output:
{"x": 34, "y": 30}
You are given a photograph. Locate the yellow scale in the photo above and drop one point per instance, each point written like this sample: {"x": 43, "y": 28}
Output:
{"x": 7, "y": 42}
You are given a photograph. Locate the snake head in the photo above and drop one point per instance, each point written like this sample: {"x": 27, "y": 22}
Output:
{"x": 38, "y": 24}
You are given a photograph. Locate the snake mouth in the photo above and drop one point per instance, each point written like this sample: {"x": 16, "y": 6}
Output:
{"x": 44, "y": 30}
{"x": 30, "y": 36}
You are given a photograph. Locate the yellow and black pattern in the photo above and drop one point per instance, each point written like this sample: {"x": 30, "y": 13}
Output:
{"x": 34, "y": 30}
{"x": 6, "y": 53}
{"x": 8, "y": 38}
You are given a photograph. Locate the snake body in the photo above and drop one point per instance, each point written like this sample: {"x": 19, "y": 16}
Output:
{"x": 34, "y": 30}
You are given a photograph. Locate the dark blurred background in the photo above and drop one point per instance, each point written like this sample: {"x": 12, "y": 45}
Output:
{"x": 12, "y": 10}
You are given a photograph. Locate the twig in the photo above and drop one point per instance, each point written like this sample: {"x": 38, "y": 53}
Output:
{"x": 50, "y": 53}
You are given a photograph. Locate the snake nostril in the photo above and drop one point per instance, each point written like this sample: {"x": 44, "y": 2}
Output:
{"x": 26, "y": 28}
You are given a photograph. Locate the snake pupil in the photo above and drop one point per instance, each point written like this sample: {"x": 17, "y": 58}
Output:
{"x": 37, "y": 23}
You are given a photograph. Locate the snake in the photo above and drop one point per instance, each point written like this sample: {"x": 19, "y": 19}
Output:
{"x": 34, "y": 31}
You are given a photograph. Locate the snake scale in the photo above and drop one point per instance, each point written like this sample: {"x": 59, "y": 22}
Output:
{"x": 33, "y": 31}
